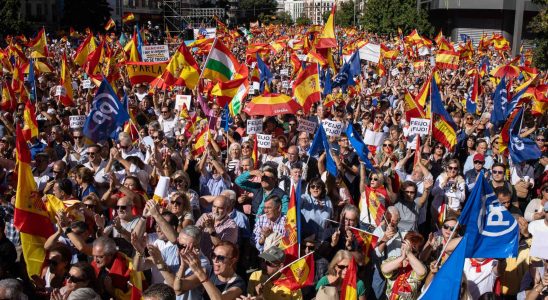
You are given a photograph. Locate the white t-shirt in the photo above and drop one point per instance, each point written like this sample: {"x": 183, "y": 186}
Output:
{"x": 481, "y": 282}
{"x": 539, "y": 245}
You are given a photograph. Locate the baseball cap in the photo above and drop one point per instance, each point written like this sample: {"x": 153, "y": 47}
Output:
{"x": 273, "y": 255}
{"x": 479, "y": 157}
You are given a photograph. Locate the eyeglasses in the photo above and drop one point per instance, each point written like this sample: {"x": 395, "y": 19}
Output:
{"x": 75, "y": 279}
{"x": 540, "y": 139}
{"x": 121, "y": 207}
{"x": 165, "y": 111}
{"x": 497, "y": 172}
{"x": 219, "y": 258}
{"x": 92, "y": 153}
{"x": 447, "y": 227}
{"x": 315, "y": 186}
{"x": 341, "y": 267}
{"x": 439, "y": 147}
{"x": 374, "y": 178}
{"x": 386, "y": 145}
{"x": 478, "y": 162}
{"x": 469, "y": 118}
{"x": 452, "y": 168}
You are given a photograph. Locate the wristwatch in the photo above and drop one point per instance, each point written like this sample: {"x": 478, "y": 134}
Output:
{"x": 68, "y": 230}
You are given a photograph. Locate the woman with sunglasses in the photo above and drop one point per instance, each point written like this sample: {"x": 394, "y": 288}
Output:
{"x": 180, "y": 182}
{"x": 449, "y": 190}
{"x": 535, "y": 208}
{"x": 222, "y": 282}
{"x": 233, "y": 160}
{"x": 316, "y": 207}
{"x": 405, "y": 273}
{"x": 375, "y": 186}
{"x": 336, "y": 272}
{"x": 54, "y": 270}
{"x": 180, "y": 206}
{"x": 385, "y": 159}
{"x": 80, "y": 275}
{"x": 436, "y": 240}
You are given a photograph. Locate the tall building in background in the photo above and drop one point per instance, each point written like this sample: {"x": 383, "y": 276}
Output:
{"x": 295, "y": 8}
{"x": 40, "y": 13}
{"x": 314, "y": 9}
{"x": 144, "y": 10}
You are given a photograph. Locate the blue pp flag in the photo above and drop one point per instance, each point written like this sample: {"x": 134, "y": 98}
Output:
{"x": 521, "y": 149}
{"x": 500, "y": 98}
{"x": 351, "y": 68}
{"x": 320, "y": 143}
{"x": 355, "y": 64}
{"x": 264, "y": 72}
{"x": 107, "y": 115}
{"x": 327, "y": 84}
{"x": 360, "y": 147}
{"x": 491, "y": 229}
{"x": 226, "y": 120}
{"x": 447, "y": 281}
{"x": 32, "y": 81}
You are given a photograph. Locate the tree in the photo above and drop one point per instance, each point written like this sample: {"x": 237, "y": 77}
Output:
{"x": 385, "y": 16}
{"x": 283, "y": 18}
{"x": 303, "y": 20}
{"x": 344, "y": 15}
{"x": 10, "y": 14}
{"x": 539, "y": 25}
{"x": 84, "y": 13}
{"x": 252, "y": 9}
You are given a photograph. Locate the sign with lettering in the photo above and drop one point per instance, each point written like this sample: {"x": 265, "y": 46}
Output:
{"x": 60, "y": 91}
{"x": 419, "y": 126}
{"x": 332, "y": 128}
{"x": 181, "y": 100}
{"x": 140, "y": 72}
{"x": 86, "y": 84}
{"x": 77, "y": 121}
{"x": 307, "y": 126}
{"x": 264, "y": 141}
{"x": 254, "y": 126}
{"x": 155, "y": 53}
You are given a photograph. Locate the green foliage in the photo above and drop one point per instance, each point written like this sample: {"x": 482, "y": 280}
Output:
{"x": 344, "y": 15}
{"x": 10, "y": 14}
{"x": 84, "y": 13}
{"x": 252, "y": 10}
{"x": 539, "y": 25}
{"x": 385, "y": 16}
{"x": 303, "y": 20}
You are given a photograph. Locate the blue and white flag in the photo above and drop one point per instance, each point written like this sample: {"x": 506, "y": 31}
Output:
{"x": 320, "y": 143}
{"x": 351, "y": 68}
{"x": 107, "y": 116}
{"x": 491, "y": 229}
{"x": 521, "y": 149}
{"x": 360, "y": 147}
{"x": 500, "y": 99}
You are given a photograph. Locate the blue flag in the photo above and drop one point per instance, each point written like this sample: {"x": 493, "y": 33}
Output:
{"x": 465, "y": 37}
{"x": 32, "y": 81}
{"x": 447, "y": 281}
{"x": 491, "y": 229}
{"x": 320, "y": 143}
{"x": 327, "y": 84}
{"x": 360, "y": 147}
{"x": 139, "y": 41}
{"x": 265, "y": 74}
{"x": 355, "y": 64}
{"x": 226, "y": 120}
{"x": 346, "y": 75}
{"x": 437, "y": 105}
{"x": 107, "y": 115}
{"x": 500, "y": 99}
{"x": 521, "y": 149}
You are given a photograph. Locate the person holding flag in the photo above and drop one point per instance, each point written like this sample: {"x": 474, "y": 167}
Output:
{"x": 341, "y": 266}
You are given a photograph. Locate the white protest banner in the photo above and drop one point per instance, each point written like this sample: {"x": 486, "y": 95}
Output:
{"x": 419, "y": 126}
{"x": 395, "y": 72}
{"x": 254, "y": 126}
{"x": 285, "y": 84}
{"x": 264, "y": 141}
{"x": 306, "y": 126}
{"x": 60, "y": 91}
{"x": 181, "y": 100}
{"x": 77, "y": 121}
{"x": 371, "y": 52}
{"x": 332, "y": 128}
{"x": 302, "y": 57}
{"x": 256, "y": 85}
{"x": 284, "y": 72}
{"x": 155, "y": 53}
{"x": 373, "y": 138}
{"x": 86, "y": 83}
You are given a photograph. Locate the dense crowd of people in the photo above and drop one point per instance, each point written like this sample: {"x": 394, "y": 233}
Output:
{"x": 216, "y": 234}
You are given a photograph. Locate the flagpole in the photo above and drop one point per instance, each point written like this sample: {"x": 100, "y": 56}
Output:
{"x": 205, "y": 63}
{"x": 287, "y": 266}
{"x": 447, "y": 243}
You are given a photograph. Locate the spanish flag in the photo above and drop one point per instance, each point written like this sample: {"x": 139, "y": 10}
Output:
{"x": 110, "y": 24}
{"x": 182, "y": 69}
{"x": 8, "y": 103}
{"x": 66, "y": 82}
{"x": 349, "y": 290}
{"x": 295, "y": 63}
{"x": 30, "y": 128}
{"x": 306, "y": 87}
{"x": 412, "y": 108}
{"x": 85, "y": 48}
{"x": 424, "y": 92}
{"x": 500, "y": 43}
{"x": 367, "y": 242}
{"x": 375, "y": 209}
{"x": 290, "y": 242}
{"x": 443, "y": 127}
{"x": 315, "y": 57}
{"x": 128, "y": 17}
{"x": 447, "y": 60}
{"x": 94, "y": 62}
{"x": 131, "y": 48}
{"x": 39, "y": 45}
{"x": 30, "y": 217}
{"x": 327, "y": 39}
{"x": 201, "y": 139}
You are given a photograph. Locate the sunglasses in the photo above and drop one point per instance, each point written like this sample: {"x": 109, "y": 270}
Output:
{"x": 92, "y": 153}
{"x": 447, "y": 227}
{"x": 439, "y": 147}
{"x": 478, "y": 162}
{"x": 266, "y": 178}
{"x": 497, "y": 172}
{"x": 121, "y": 207}
{"x": 452, "y": 168}
{"x": 165, "y": 112}
{"x": 341, "y": 267}
{"x": 387, "y": 145}
{"x": 540, "y": 140}
{"x": 178, "y": 203}
{"x": 181, "y": 246}
{"x": 75, "y": 279}
{"x": 219, "y": 258}
{"x": 315, "y": 186}
{"x": 374, "y": 178}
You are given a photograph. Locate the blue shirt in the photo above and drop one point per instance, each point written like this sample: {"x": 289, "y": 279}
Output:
{"x": 36, "y": 148}
{"x": 244, "y": 229}
{"x": 211, "y": 186}
{"x": 314, "y": 215}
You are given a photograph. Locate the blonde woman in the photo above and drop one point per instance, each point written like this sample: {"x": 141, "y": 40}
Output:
{"x": 336, "y": 272}
{"x": 449, "y": 189}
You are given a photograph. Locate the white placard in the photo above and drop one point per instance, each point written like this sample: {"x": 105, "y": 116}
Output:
{"x": 285, "y": 84}
{"x": 284, "y": 72}
{"x": 423, "y": 51}
{"x": 371, "y": 52}
{"x": 251, "y": 91}
{"x": 77, "y": 121}
{"x": 373, "y": 138}
{"x": 162, "y": 187}
{"x": 395, "y": 72}
{"x": 264, "y": 141}
{"x": 181, "y": 100}
{"x": 208, "y": 33}
{"x": 256, "y": 85}
{"x": 155, "y": 53}
{"x": 60, "y": 91}
{"x": 254, "y": 126}
{"x": 419, "y": 126}
{"x": 86, "y": 83}
{"x": 306, "y": 126}
{"x": 412, "y": 143}
{"x": 332, "y": 128}
{"x": 302, "y": 57}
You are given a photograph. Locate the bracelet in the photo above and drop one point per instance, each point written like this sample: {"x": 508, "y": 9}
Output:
{"x": 204, "y": 281}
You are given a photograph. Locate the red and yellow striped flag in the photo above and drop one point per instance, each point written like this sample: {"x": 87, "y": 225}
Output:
{"x": 374, "y": 206}
{"x": 128, "y": 17}
{"x": 412, "y": 108}
{"x": 447, "y": 60}
{"x": 182, "y": 69}
{"x": 367, "y": 242}
{"x": 327, "y": 39}
{"x": 306, "y": 88}
{"x": 30, "y": 216}
{"x": 66, "y": 82}
{"x": 39, "y": 45}
{"x": 201, "y": 139}
{"x": 110, "y": 24}
{"x": 30, "y": 128}
{"x": 85, "y": 48}
{"x": 349, "y": 290}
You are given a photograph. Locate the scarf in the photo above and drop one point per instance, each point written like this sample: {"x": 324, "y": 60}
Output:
{"x": 476, "y": 264}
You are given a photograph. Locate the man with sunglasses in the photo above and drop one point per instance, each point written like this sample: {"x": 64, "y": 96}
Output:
{"x": 97, "y": 165}
{"x": 77, "y": 153}
{"x": 471, "y": 176}
{"x": 168, "y": 121}
{"x": 126, "y": 147}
